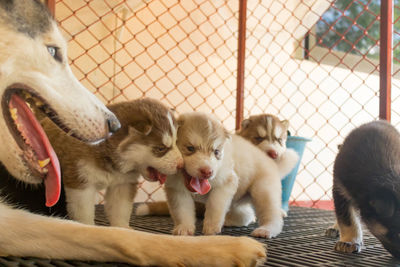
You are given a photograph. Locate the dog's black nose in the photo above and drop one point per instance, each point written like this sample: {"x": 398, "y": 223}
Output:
{"x": 113, "y": 124}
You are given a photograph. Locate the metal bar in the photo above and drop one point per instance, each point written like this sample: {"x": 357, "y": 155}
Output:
{"x": 51, "y": 5}
{"x": 385, "y": 60}
{"x": 241, "y": 60}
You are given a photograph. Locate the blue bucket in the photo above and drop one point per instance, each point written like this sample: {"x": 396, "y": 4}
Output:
{"x": 298, "y": 144}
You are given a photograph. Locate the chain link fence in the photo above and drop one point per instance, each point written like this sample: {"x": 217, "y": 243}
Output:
{"x": 314, "y": 63}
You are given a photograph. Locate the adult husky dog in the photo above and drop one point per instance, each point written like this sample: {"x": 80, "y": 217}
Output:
{"x": 34, "y": 68}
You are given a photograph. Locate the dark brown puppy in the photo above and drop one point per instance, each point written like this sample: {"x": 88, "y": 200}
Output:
{"x": 367, "y": 186}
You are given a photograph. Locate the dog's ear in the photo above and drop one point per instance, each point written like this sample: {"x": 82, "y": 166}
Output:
{"x": 383, "y": 202}
{"x": 285, "y": 124}
{"x": 245, "y": 123}
{"x": 141, "y": 128}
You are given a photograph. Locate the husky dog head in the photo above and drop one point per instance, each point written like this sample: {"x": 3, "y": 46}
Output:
{"x": 201, "y": 139}
{"x": 267, "y": 132}
{"x": 147, "y": 139}
{"x": 34, "y": 69}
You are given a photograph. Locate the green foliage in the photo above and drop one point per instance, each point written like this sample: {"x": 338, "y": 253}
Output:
{"x": 352, "y": 26}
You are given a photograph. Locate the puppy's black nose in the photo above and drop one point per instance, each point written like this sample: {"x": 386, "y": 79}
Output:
{"x": 113, "y": 123}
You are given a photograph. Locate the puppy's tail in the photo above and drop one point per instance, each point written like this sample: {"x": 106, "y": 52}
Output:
{"x": 287, "y": 162}
{"x": 159, "y": 208}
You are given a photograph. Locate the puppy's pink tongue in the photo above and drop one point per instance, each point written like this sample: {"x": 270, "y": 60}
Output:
{"x": 202, "y": 186}
{"x": 35, "y": 137}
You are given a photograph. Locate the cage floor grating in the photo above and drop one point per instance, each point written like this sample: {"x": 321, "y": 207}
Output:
{"x": 302, "y": 243}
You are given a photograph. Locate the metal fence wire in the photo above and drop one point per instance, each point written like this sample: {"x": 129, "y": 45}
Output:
{"x": 315, "y": 63}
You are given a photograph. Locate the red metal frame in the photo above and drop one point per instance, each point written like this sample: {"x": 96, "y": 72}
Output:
{"x": 51, "y": 5}
{"x": 241, "y": 61}
{"x": 385, "y": 69}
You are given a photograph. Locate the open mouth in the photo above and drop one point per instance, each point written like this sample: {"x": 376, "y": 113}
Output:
{"x": 154, "y": 175}
{"x": 196, "y": 185}
{"x": 19, "y": 105}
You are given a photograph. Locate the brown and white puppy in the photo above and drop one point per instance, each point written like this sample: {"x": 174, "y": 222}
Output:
{"x": 270, "y": 134}
{"x": 145, "y": 145}
{"x": 227, "y": 173}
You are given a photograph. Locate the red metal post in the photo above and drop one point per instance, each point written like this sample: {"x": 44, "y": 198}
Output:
{"x": 51, "y": 5}
{"x": 385, "y": 61}
{"x": 241, "y": 60}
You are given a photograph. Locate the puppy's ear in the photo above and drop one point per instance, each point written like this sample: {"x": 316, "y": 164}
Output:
{"x": 383, "y": 203}
{"x": 285, "y": 124}
{"x": 245, "y": 123}
{"x": 141, "y": 128}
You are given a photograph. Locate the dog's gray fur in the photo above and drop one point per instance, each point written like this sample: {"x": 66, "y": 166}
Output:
{"x": 29, "y": 17}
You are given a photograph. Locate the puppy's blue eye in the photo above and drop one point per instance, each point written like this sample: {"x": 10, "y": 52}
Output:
{"x": 217, "y": 153}
{"x": 258, "y": 139}
{"x": 190, "y": 148}
{"x": 161, "y": 148}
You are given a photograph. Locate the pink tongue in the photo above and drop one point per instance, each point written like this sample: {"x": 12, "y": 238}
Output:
{"x": 202, "y": 186}
{"x": 35, "y": 136}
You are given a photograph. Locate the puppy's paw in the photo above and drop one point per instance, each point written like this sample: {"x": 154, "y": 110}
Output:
{"x": 348, "y": 247}
{"x": 182, "y": 229}
{"x": 210, "y": 229}
{"x": 266, "y": 231}
{"x": 332, "y": 232}
{"x": 270, "y": 229}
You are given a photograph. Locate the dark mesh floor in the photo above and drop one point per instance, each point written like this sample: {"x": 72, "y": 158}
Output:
{"x": 302, "y": 243}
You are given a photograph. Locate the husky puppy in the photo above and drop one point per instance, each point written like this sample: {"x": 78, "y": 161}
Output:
{"x": 366, "y": 187}
{"x": 145, "y": 145}
{"x": 227, "y": 173}
{"x": 270, "y": 134}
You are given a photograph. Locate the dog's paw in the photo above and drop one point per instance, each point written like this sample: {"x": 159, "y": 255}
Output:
{"x": 266, "y": 232}
{"x": 182, "y": 229}
{"x": 210, "y": 229}
{"x": 348, "y": 247}
{"x": 332, "y": 232}
{"x": 269, "y": 230}
{"x": 227, "y": 251}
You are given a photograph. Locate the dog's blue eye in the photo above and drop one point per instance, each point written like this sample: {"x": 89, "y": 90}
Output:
{"x": 217, "y": 152}
{"x": 258, "y": 139}
{"x": 190, "y": 148}
{"x": 53, "y": 51}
